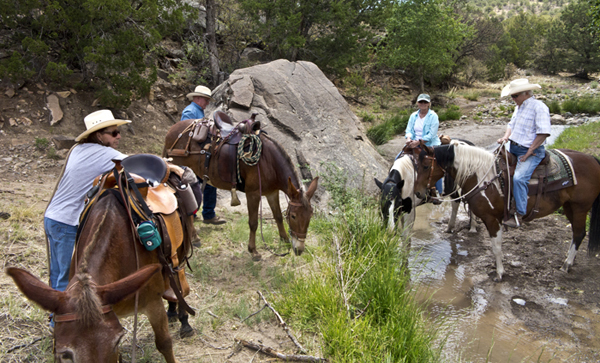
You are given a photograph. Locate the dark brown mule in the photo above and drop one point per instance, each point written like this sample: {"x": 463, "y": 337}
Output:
{"x": 102, "y": 285}
{"x": 274, "y": 172}
{"x": 472, "y": 167}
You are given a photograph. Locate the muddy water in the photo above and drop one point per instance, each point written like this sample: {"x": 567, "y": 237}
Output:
{"x": 475, "y": 330}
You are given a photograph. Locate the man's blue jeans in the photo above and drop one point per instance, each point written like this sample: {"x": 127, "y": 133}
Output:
{"x": 209, "y": 202}
{"x": 61, "y": 238}
{"x": 523, "y": 174}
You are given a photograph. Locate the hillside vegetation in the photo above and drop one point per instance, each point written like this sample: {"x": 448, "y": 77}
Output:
{"x": 119, "y": 48}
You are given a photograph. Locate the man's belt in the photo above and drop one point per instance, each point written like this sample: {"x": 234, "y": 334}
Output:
{"x": 517, "y": 144}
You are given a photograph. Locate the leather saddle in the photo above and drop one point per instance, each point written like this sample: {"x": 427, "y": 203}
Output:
{"x": 155, "y": 182}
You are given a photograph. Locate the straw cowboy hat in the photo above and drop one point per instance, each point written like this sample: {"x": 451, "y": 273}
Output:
{"x": 518, "y": 85}
{"x": 97, "y": 121}
{"x": 200, "y": 91}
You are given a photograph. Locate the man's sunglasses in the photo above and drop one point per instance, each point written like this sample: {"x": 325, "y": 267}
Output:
{"x": 114, "y": 133}
{"x": 515, "y": 95}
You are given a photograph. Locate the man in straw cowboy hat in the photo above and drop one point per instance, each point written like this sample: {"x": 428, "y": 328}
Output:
{"x": 527, "y": 132}
{"x": 200, "y": 98}
{"x": 90, "y": 157}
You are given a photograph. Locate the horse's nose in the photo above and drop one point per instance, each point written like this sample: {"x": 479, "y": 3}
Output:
{"x": 418, "y": 195}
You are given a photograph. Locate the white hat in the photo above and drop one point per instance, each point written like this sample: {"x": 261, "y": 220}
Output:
{"x": 200, "y": 91}
{"x": 97, "y": 121}
{"x": 518, "y": 85}
{"x": 424, "y": 97}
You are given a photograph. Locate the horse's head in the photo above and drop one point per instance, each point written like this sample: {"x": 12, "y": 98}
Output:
{"x": 86, "y": 328}
{"x": 391, "y": 197}
{"x": 428, "y": 169}
{"x": 299, "y": 213}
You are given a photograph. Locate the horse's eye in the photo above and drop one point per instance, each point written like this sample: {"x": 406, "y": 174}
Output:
{"x": 293, "y": 215}
{"x": 425, "y": 167}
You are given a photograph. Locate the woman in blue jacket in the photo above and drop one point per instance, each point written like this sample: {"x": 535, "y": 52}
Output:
{"x": 423, "y": 125}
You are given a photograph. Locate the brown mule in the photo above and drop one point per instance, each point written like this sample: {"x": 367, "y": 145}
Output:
{"x": 102, "y": 285}
{"x": 474, "y": 170}
{"x": 274, "y": 172}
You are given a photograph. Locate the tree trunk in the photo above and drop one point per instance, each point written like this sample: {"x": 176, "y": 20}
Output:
{"x": 211, "y": 40}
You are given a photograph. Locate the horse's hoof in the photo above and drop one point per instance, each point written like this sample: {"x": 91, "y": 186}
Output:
{"x": 172, "y": 317}
{"x": 186, "y": 332}
{"x": 256, "y": 257}
{"x": 448, "y": 230}
{"x": 498, "y": 278}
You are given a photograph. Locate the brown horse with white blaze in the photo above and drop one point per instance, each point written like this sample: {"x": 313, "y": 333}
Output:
{"x": 274, "y": 172}
{"x": 104, "y": 278}
{"x": 474, "y": 170}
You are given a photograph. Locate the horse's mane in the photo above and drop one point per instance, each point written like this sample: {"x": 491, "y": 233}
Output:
{"x": 469, "y": 160}
{"x": 84, "y": 297}
{"x": 405, "y": 167}
{"x": 291, "y": 165}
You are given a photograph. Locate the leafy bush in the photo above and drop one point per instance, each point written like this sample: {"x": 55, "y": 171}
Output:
{"x": 587, "y": 104}
{"x": 380, "y": 134}
{"x": 451, "y": 113}
{"x": 41, "y": 143}
{"x": 554, "y": 106}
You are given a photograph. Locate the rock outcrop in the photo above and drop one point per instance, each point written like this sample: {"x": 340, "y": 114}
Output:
{"x": 307, "y": 115}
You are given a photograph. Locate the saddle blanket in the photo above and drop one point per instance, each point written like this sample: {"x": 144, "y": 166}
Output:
{"x": 560, "y": 172}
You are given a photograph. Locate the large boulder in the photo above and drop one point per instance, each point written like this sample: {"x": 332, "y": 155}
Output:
{"x": 306, "y": 114}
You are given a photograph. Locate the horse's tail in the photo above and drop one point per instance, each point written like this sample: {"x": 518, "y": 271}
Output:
{"x": 594, "y": 242}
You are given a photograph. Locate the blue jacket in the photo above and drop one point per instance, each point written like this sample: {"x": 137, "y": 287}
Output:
{"x": 192, "y": 111}
{"x": 430, "y": 128}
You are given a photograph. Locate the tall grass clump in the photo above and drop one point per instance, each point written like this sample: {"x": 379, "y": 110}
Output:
{"x": 554, "y": 106}
{"x": 451, "y": 113}
{"x": 359, "y": 299}
{"x": 586, "y": 104}
{"x": 393, "y": 125}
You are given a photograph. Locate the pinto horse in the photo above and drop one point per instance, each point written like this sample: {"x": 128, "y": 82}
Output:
{"x": 103, "y": 281}
{"x": 474, "y": 170}
{"x": 398, "y": 201}
{"x": 274, "y": 172}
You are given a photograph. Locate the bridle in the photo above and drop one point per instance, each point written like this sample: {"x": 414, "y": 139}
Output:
{"x": 301, "y": 236}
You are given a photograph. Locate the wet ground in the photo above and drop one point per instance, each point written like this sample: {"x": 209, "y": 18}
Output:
{"x": 536, "y": 314}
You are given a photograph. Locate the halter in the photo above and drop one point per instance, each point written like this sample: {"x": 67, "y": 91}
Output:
{"x": 287, "y": 216}
{"x": 63, "y": 318}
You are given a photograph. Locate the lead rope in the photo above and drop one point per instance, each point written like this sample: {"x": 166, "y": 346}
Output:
{"x": 261, "y": 218}
{"x": 137, "y": 261}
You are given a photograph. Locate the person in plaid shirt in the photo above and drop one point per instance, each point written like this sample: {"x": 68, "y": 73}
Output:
{"x": 527, "y": 132}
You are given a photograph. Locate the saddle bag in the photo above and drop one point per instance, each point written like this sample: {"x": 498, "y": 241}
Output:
{"x": 149, "y": 235}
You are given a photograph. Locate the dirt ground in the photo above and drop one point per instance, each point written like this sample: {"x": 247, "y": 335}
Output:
{"x": 560, "y": 308}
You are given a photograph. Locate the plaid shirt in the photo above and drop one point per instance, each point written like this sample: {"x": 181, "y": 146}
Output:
{"x": 529, "y": 120}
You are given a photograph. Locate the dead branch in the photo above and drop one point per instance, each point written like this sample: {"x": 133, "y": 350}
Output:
{"x": 340, "y": 271}
{"x": 23, "y": 345}
{"x": 273, "y": 353}
{"x": 170, "y": 117}
{"x": 251, "y": 315}
{"x": 283, "y": 324}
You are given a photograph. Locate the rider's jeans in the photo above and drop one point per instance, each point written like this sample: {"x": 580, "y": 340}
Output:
{"x": 523, "y": 174}
{"x": 61, "y": 238}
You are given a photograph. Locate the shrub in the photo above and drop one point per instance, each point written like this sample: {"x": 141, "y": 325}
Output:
{"x": 41, "y": 143}
{"x": 451, "y": 113}
{"x": 554, "y": 106}
{"x": 380, "y": 134}
{"x": 594, "y": 85}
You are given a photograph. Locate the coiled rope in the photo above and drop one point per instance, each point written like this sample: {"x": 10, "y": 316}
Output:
{"x": 252, "y": 156}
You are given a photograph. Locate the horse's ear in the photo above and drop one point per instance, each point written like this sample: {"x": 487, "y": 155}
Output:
{"x": 426, "y": 148}
{"x": 113, "y": 293}
{"x": 312, "y": 188}
{"x": 379, "y": 184}
{"x": 35, "y": 290}
{"x": 292, "y": 191}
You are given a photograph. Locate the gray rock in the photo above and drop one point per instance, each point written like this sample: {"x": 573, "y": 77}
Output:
{"x": 171, "y": 106}
{"x": 557, "y": 119}
{"x": 63, "y": 142}
{"x": 304, "y": 112}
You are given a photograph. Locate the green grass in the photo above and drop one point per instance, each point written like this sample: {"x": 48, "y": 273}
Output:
{"x": 584, "y": 138}
{"x": 451, "y": 113}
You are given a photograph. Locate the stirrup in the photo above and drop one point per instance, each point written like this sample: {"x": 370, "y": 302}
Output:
{"x": 234, "y": 198}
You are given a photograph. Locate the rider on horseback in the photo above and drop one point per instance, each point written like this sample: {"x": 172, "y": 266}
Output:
{"x": 528, "y": 129}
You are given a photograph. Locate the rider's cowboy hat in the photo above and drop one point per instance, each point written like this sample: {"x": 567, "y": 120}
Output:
{"x": 97, "y": 121}
{"x": 200, "y": 91}
{"x": 518, "y": 85}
